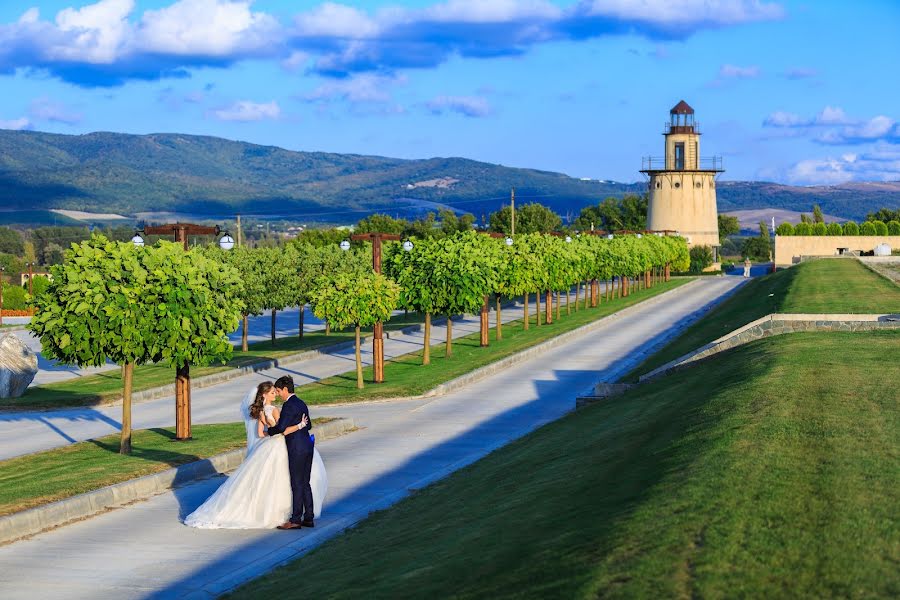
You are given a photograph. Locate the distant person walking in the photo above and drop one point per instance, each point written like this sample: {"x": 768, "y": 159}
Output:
{"x": 747, "y": 264}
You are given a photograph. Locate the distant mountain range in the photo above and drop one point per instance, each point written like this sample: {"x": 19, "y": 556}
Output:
{"x": 131, "y": 174}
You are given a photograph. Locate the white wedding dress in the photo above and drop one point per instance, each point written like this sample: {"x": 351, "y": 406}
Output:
{"x": 258, "y": 494}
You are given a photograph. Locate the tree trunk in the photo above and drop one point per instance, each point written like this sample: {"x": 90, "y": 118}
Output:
{"x": 127, "y": 379}
{"x": 537, "y": 304}
{"x": 359, "y": 377}
{"x": 499, "y": 320}
{"x": 327, "y": 328}
{"x": 526, "y": 312}
{"x": 449, "y": 344}
{"x": 608, "y": 283}
{"x": 183, "y": 403}
{"x": 485, "y": 324}
{"x": 548, "y": 308}
{"x": 244, "y": 324}
{"x": 302, "y": 312}
{"x": 426, "y": 350}
{"x": 557, "y": 305}
{"x": 273, "y": 325}
{"x": 587, "y": 286}
{"x": 569, "y": 300}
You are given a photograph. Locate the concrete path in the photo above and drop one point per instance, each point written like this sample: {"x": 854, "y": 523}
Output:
{"x": 143, "y": 551}
{"x": 31, "y": 431}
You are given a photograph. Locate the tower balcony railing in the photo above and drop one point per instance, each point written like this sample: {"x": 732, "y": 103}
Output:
{"x": 660, "y": 163}
{"x": 681, "y": 128}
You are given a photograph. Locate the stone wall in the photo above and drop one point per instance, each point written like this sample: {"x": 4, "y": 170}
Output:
{"x": 777, "y": 324}
{"x": 789, "y": 249}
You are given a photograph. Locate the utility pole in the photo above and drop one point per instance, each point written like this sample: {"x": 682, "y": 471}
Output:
{"x": 239, "y": 231}
{"x": 512, "y": 207}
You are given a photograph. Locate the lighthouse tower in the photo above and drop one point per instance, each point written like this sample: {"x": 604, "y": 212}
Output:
{"x": 682, "y": 186}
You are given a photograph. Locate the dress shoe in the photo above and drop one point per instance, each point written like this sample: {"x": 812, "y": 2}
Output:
{"x": 289, "y": 525}
{"x": 308, "y": 523}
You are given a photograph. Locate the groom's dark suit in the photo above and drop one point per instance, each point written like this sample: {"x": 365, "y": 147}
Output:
{"x": 300, "y": 456}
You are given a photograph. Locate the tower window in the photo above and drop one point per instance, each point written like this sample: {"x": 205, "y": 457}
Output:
{"x": 677, "y": 184}
{"x": 679, "y": 156}
{"x": 658, "y": 185}
{"x": 698, "y": 185}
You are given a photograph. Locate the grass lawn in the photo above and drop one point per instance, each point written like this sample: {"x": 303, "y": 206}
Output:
{"x": 103, "y": 388}
{"x": 821, "y": 286}
{"x": 767, "y": 471}
{"x": 44, "y": 477}
{"x": 406, "y": 376}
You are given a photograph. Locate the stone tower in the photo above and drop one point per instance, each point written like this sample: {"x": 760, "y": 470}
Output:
{"x": 682, "y": 187}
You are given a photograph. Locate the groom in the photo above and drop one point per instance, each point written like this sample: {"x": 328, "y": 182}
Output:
{"x": 300, "y": 453}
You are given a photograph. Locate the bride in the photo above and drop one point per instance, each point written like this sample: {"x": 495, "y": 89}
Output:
{"x": 258, "y": 494}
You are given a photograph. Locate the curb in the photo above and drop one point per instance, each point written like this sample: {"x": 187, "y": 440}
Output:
{"x": 35, "y": 520}
{"x": 487, "y": 370}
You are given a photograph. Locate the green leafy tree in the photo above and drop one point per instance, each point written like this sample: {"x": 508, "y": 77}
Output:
{"x": 321, "y": 237}
{"x": 885, "y": 214}
{"x": 518, "y": 274}
{"x": 450, "y": 223}
{"x": 380, "y": 223}
{"x": 279, "y": 267}
{"x": 413, "y": 271}
{"x": 893, "y": 227}
{"x": 358, "y": 300}
{"x": 851, "y": 228}
{"x": 820, "y": 228}
{"x": 881, "y": 227}
{"x": 803, "y": 228}
{"x": 835, "y": 229}
{"x": 785, "y": 229}
{"x": 728, "y": 225}
{"x": 14, "y": 297}
{"x": 53, "y": 254}
{"x": 312, "y": 263}
{"x": 11, "y": 242}
{"x": 253, "y": 271}
{"x": 614, "y": 214}
{"x": 867, "y": 228}
{"x": 530, "y": 218}
{"x": 818, "y": 217}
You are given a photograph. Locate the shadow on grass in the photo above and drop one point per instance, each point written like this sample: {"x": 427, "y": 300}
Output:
{"x": 170, "y": 457}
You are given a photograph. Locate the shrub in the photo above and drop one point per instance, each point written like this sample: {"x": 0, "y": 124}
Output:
{"x": 893, "y": 227}
{"x": 803, "y": 229}
{"x": 785, "y": 229}
{"x": 867, "y": 228}
{"x": 820, "y": 229}
{"x": 851, "y": 228}
{"x": 880, "y": 228}
{"x": 701, "y": 258}
{"x": 14, "y": 297}
{"x": 835, "y": 229}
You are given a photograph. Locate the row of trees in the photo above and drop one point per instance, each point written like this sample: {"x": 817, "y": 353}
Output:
{"x": 848, "y": 228}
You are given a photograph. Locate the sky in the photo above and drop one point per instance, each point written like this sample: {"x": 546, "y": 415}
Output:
{"x": 798, "y": 92}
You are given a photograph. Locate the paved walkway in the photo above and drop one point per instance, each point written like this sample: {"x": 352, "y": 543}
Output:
{"x": 31, "y": 431}
{"x": 143, "y": 551}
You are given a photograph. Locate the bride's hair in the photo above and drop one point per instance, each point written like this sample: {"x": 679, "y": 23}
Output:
{"x": 257, "y": 407}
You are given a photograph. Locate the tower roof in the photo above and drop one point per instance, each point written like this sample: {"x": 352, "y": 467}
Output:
{"x": 682, "y": 108}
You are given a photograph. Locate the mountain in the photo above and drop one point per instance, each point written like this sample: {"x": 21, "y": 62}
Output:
{"x": 129, "y": 174}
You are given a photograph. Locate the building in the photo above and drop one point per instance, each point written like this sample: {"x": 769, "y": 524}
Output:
{"x": 682, "y": 185}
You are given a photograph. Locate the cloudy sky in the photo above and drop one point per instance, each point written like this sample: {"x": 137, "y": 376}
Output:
{"x": 800, "y": 91}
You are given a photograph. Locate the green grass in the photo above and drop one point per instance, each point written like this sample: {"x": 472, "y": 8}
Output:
{"x": 406, "y": 376}
{"x": 106, "y": 387}
{"x": 767, "y": 472}
{"x": 44, "y": 477}
{"x": 821, "y": 286}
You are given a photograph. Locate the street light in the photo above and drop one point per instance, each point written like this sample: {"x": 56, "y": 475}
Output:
{"x": 226, "y": 242}
{"x": 407, "y": 245}
{"x": 509, "y": 241}
{"x": 345, "y": 245}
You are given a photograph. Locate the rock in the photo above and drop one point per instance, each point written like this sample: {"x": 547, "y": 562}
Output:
{"x": 18, "y": 366}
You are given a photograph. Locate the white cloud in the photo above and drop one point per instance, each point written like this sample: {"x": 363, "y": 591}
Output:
{"x": 736, "y": 72}
{"x": 470, "y": 106}
{"x": 45, "y": 109}
{"x": 367, "y": 87}
{"x": 96, "y": 33}
{"x": 246, "y": 110}
{"x": 882, "y": 164}
{"x": 16, "y": 124}
{"x": 801, "y": 73}
{"x": 496, "y": 11}
{"x": 833, "y": 126}
{"x": 687, "y": 12}
{"x": 336, "y": 21}
{"x": 784, "y": 119}
{"x": 295, "y": 60}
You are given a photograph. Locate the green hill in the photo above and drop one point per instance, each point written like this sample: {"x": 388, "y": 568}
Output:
{"x": 128, "y": 174}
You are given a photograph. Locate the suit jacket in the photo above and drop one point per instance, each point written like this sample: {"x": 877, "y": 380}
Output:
{"x": 291, "y": 414}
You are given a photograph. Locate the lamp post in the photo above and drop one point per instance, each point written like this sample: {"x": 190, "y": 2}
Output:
{"x": 378, "y": 329}
{"x": 183, "y": 372}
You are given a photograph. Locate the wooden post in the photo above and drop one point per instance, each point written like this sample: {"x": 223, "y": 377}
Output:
{"x": 668, "y": 272}
{"x": 548, "y": 308}
{"x": 449, "y": 344}
{"x": 499, "y": 331}
{"x": 127, "y": 379}
{"x": 378, "y": 351}
{"x": 183, "y": 403}
{"x": 485, "y": 325}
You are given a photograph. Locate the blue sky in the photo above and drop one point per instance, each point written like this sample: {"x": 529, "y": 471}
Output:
{"x": 798, "y": 92}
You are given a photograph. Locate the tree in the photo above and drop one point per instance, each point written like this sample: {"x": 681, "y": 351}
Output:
{"x": 11, "y": 242}
{"x": 312, "y": 263}
{"x": 893, "y": 227}
{"x": 851, "y": 228}
{"x": 53, "y": 254}
{"x": 321, "y": 237}
{"x": 803, "y": 228}
{"x": 818, "y": 217}
{"x": 785, "y": 229}
{"x": 867, "y": 228}
{"x": 880, "y": 227}
{"x": 518, "y": 271}
{"x": 835, "y": 229}
{"x": 355, "y": 299}
{"x": 820, "y": 228}
{"x": 280, "y": 272}
{"x": 728, "y": 225}
{"x": 381, "y": 223}
{"x": 450, "y": 223}
{"x": 250, "y": 265}
{"x": 413, "y": 270}
{"x": 134, "y": 305}
{"x": 885, "y": 214}
{"x": 629, "y": 212}
{"x": 530, "y": 218}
